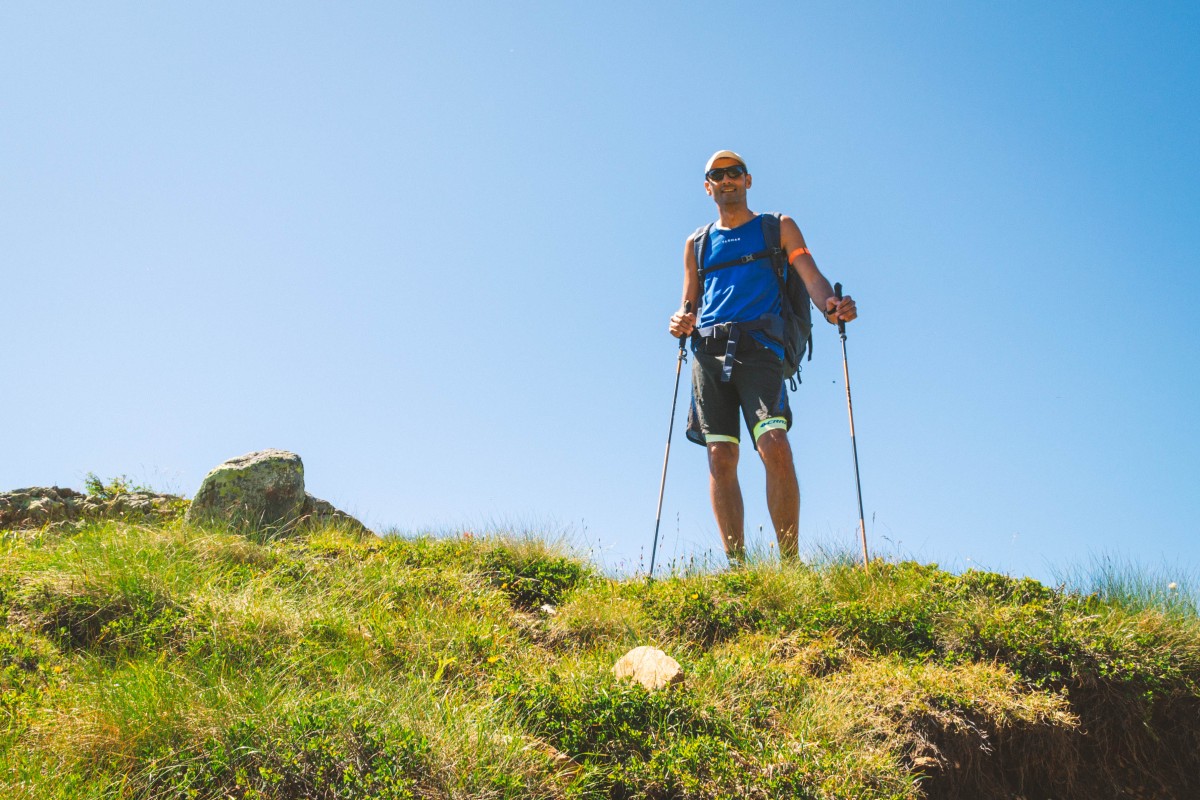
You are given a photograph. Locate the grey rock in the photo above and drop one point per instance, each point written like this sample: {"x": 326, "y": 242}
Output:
{"x": 147, "y": 506}
{"x": 39, "y": 506}
{"x": 322, "y": 512}
{"x": 650, "y": 667}
{"x": 263, "y": 491}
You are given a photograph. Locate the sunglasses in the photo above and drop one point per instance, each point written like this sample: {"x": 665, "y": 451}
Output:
{"x": 719, "y": 174}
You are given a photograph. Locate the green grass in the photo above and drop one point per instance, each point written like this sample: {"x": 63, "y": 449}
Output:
{"x": 175, "y": 661}
{"x": 1120, "y": 581}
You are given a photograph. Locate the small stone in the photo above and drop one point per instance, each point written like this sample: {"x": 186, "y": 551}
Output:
{"x": 549, "y": 610}
{"x": 650, "y": 667}
{"x": 322, "y": 512}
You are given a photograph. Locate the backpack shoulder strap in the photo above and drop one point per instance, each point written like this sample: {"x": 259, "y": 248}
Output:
{"x": 773, "y": 239}
{"x": 771, "y": 232}
{"x": 699, "y": 245}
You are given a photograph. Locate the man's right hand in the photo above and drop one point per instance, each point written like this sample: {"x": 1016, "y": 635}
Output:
{"x": 682, "y": 323}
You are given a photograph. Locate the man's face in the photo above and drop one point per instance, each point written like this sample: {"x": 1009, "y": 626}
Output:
{"x": 727, "y": 189}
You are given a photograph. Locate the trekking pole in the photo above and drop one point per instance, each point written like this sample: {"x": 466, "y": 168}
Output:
{"x": 687, "y": 309}
{"x": 862, "y": 525}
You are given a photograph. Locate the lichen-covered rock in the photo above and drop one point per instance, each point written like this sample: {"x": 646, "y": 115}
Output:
{"x": 139, "y": 505}
{"x": 264, "y": 491}
{"x": 36, "y": 506}
{"x": 260, "y": 490}
{"x": 39, "y": 506}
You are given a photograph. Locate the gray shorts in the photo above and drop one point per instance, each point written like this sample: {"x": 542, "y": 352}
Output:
{"x": 756, "y": 392}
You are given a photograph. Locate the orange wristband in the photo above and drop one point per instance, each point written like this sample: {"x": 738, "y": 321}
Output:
{"x": 799, "y": 251}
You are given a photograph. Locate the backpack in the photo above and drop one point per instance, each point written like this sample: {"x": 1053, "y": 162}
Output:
{"x": 795, "y": 302}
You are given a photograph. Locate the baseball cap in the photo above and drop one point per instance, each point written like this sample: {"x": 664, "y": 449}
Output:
{"x": 724, "y": 154}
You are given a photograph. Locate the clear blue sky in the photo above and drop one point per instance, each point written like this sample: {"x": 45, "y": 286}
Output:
{"x": 432, "y": 248}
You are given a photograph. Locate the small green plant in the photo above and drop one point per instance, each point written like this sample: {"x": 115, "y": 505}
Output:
{"x": 97, "y": 487}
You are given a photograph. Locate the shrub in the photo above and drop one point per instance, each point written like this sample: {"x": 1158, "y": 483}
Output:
{"x": 607, "y": 720}
{"x": 310, "y": 753}
{"x": 27, "y": 664}
{"x": 95, "y": 486}
{"x": 1002, "y": 588}
{"x": 531, "y": 577}
{"x": 691, "y": 767}
{"x": 112, "y": 619}
{"x": 704, "y": 610}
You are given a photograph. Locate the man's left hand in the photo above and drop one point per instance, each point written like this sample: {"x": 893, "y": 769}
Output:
{"x": 842, "y": 310}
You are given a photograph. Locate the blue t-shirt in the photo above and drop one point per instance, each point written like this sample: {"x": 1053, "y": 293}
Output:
{"x": 742, "y": 292}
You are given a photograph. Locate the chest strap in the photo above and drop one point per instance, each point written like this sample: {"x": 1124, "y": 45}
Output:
{"x": 770, "y": 253}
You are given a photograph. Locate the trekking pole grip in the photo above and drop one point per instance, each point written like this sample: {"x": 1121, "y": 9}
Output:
{"x": 837, "y": 293}
{"x": 687, "y": 309}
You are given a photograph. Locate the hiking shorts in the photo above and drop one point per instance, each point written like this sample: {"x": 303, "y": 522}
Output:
{"x": 756, "y": 390}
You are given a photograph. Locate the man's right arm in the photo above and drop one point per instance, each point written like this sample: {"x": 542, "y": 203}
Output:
{"x": 683, "y": 323}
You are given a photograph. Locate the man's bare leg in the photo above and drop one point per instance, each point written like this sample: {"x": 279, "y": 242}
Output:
{"x": 783, "y": 491}
{"x": 727, "y": 498}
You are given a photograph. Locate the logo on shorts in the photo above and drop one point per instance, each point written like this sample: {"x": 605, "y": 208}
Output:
{"x": 763, "y": 412}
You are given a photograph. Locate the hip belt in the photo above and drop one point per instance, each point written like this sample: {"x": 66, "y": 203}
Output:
{"x": 731, "y": 333}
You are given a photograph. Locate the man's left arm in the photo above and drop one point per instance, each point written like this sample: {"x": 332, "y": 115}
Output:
{"x": 817, "y": 284}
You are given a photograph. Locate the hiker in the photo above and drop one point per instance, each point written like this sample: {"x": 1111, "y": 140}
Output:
{"x": 739, "y": 345}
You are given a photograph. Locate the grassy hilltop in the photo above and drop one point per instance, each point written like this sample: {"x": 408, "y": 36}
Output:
{"x": 170, "y": 661}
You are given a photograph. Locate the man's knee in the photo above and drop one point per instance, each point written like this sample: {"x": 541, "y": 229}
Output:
{"x": 722, "y": 460}
{"x": 775, "y": 450}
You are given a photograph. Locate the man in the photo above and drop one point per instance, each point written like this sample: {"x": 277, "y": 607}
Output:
{"x": 753, "y": 385}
